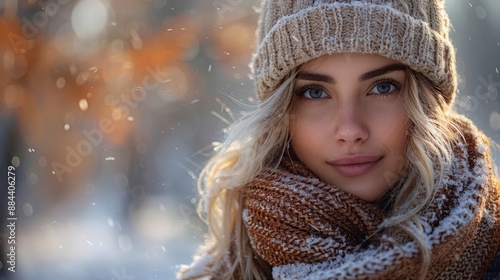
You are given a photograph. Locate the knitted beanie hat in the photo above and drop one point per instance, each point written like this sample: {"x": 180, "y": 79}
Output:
{"x": 413, "y": 32}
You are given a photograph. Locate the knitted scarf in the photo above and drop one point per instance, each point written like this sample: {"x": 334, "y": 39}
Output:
{"x": 306, "y": 229}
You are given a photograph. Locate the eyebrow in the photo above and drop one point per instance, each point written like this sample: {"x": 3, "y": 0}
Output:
{"x": 366, "y": 76}
{"x": 381, "y": 71}
{"x": 315, "y": 77}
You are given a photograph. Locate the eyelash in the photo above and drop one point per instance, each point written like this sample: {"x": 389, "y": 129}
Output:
{"x": 389, "y": 81}
{"x": 301, "y": 90}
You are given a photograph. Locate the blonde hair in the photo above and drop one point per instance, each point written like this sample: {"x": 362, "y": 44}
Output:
{"x": 429, "y": 148}
{"x": 260, "y": 139}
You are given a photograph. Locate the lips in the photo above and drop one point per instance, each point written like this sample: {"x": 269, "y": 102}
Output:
{"x": 351, "y": 166}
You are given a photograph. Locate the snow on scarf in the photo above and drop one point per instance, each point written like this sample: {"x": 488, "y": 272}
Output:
{"x": 306, "y": 229}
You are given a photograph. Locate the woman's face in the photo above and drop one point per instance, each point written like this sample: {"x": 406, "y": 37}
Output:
{"x": 348, "y": 123}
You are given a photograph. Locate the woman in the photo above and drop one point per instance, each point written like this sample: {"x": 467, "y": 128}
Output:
{"x": 355, "y": 165}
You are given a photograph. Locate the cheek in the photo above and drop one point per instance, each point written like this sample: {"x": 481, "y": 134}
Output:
{"x": 390, "y": 121}
{"x": 298, "y": 130}
{"x": 394, "y": 130}
{"x": 305, "y": 134}
{"x": 393, "y": 133}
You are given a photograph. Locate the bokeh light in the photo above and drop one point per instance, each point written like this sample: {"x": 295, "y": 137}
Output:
{"x": 89, "y": 18}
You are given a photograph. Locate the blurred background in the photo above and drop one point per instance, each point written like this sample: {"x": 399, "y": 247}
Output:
{"x": 109, "y": 109}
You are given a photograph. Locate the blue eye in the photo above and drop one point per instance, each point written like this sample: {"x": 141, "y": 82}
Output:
{"x": 314, "y": 93}
{"x": 383, "y": 88}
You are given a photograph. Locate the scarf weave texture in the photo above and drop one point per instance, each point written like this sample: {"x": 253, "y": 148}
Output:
{"x": 307, "y": 229}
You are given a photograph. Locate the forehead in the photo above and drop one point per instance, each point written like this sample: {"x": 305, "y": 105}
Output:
{"x": 342, "y": 60}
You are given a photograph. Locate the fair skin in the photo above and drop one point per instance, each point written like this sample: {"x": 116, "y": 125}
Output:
{"x": 348, "y": 123}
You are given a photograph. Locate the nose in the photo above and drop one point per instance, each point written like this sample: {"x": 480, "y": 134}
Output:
{"x": 350, "y": 127}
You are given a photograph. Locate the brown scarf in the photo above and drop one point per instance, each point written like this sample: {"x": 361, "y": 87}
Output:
{"x": 307, "y": 229}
